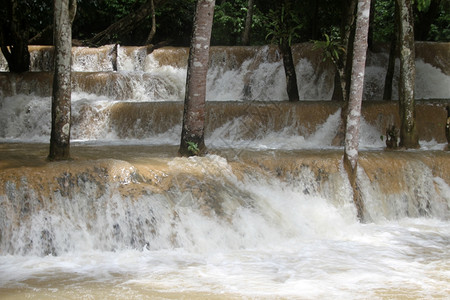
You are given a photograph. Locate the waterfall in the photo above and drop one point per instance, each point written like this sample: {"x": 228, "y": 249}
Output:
{"x": 235, "y": 73}
{"x": 268, "y": 213}
{"x": 259, "y": 225}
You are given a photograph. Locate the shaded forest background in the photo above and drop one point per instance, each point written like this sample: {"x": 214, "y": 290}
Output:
{"x": 314, "y": 18}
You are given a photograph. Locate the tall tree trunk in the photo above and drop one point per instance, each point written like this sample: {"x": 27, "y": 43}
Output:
{"x": 393, "y": 53}
{"x": 192, "y": 135}
{"x": 315, "y": 20}
{"x": 343, "y": 68}
{"x": 355, "y": 100}
{"x": 14, "y": 32}
{"x": 447, "y": 128}
{"x": 153, "y": 30}
{"x": 371, "y": 25}
{"x": 289, "y": 70}
{"x": 388, "y": 80}
{"x": 248, "y": 24}
{"x": 61, "y": 93}
{"x": 425, "y": 19}
{"x": 342, "y": 79}
{"x": 408, "y": 131}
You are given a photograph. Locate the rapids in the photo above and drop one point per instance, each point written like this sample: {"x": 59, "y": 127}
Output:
{"x": 235, "y": 73}
{"x": 267, "y": 214}
{"x": 138, "y": 222}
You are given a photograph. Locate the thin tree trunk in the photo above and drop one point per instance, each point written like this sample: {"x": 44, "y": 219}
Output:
{"x": 355, "y": 101}
{"x": 371, "y": 25}
{"x": 408, "y": 131}
{"x": 192, "y": 135}
{"x": 425, "y": 19}
{"x": 248, "y": 24}
{"x": 447, "y": 128}
{"x": 388, "y": 80}
{"x": 61, "y": 93}
{"x": 338, "y": 94}
{"x": 315, "y": 20}
{"x": 342, "y": 78}
{"x": 153, "y": 30}
{"x": 289, "y": 70}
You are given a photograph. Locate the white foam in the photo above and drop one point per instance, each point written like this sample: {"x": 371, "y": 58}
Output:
{"x": 273, "y": 238}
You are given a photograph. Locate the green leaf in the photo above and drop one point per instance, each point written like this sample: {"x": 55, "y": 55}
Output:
{"x": 193, "y": 148}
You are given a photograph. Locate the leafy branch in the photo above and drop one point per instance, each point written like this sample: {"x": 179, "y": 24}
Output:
{"x": 332, "y": 49}
{"x": 284, "y": 25}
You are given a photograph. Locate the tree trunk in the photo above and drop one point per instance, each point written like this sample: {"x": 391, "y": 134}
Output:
{"x": 355, "y": 100}
{"x": 192, "y": 135}
{"x": 342, "y": 79}
{"x": 371, "y": 25}
{"x": 388, "y": 80}
{"x": 425, "y": 19}
{"x": 343, "y": 68}
{"x": 15, "y": 32}
{"x": 61, "y": 93}
{"x": 393, "y": 53}
{"x": 408, "y": 131}
{"x": 248, "y": 24}
{"x": 153, "y": 30}
{"x": 447, "y": 128}
{"x": 124, "y": 25}
{"x": 315, "y": 20}
{"x": 289, "y": 70}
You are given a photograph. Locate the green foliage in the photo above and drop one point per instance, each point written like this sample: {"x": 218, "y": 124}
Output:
{"x": 229, "y": 21}
{"x": 422, "y": 5}
{"x": 283, "y": 24}
{"x": 440, "y": 29}
{"x": 174, "y": 21}
{"x": 383, "y": 24}
{"x": 332, "y": 49}
{"x": 120, "y": 8}
{"x": 193, "y": 148}
{"x": 34, "y": 16}
{"x": 275, "y": 21}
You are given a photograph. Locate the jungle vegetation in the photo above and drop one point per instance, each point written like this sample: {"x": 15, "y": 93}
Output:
{"x": 174, "y": 21}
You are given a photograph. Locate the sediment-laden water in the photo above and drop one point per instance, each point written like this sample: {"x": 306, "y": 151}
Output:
{"x": 267, "y": 214}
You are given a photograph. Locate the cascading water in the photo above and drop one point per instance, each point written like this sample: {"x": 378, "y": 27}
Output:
{"x": 222, "y": 227}
{"x": 267, "y": 214}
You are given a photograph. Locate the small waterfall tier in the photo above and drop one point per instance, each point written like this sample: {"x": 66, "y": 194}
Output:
{"x": 235, "y": 73}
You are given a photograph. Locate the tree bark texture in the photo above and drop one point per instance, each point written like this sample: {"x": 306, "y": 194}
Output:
{"x": 14, "y": 33}
{"x": 342, "y": 77}
{"x": 447, "y": 128}
{"x": 195, "y": 97}
{"x": 153, "y": 30}
{"x": 248, "y": 23}
{"x": 408, "y": 131}
{"x": 289, "y": 70}
{"x": 393, "y": 54}
{"x": 371, "y": 25}
{"x": 388, "y": 79}
{"x": 61, "y": 93}
{"x": 355, "y": 100}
